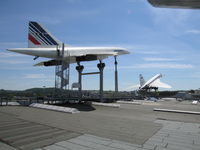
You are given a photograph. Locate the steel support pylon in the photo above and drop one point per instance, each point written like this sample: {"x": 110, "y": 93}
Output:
{"x": 62, "y": 70}
{"x": 101, "y": 67}
{"x": 116, "y": 75}
{"x": 80, "y": 68}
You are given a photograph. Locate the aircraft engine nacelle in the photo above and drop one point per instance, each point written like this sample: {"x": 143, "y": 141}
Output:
{"x": 53, "y": 63}
{"x": 86, "y": 58}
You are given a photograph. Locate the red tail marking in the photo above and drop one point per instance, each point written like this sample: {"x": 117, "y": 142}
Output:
{"x": 33, "y": 40}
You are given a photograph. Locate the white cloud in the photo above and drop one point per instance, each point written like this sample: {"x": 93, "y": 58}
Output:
{"x": 150, "y": 66}
{"x": 149, "y": 49}
{"x": 171, "y": 16}
{"x": 171, "y": 21}
{"x": 195, "y": 75}
{"x": 45, "y": 20}
{"x": 7, "y": 54}
{"x": 5, "y": 45}
{"x": 14, "y": 61}
{"x": 34, "y": 76}
{"x": 132, "y": 87}
{"x": 159, "y": 66}
{"x": 161, "y": 59}
{"x": 148, "y": 52}
{"x": 194, "y": 31}
{"x": 20, "y": 68}
{"x": 155, "y": 52}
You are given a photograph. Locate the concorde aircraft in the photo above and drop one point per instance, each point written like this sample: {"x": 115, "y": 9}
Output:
{"x": 193, "y": 4}
{"x": 153, "y": 83}
{"x": 42, "y": 43}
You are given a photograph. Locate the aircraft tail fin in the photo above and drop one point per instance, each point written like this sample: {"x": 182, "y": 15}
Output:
{"x": 38, "y": 36}
{"x": 142, "y": 81}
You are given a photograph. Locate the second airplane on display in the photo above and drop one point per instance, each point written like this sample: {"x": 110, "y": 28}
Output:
{"x": 152, "y": 83}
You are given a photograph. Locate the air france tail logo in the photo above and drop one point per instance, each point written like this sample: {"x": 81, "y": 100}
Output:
{"x": 39, "y": 36}
{"x": 33, "y": 40}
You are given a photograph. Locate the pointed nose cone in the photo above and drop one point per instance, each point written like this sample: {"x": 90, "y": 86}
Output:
{"x": 122, "y": 51}
{"x": 126, "y": 52}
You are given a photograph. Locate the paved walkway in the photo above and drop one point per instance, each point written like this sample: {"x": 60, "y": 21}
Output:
{"x": 173, "y": 136}
{"x": 130, "y": 127}
{"x": 27, "y": 135}
{"x": 97, "y": 122}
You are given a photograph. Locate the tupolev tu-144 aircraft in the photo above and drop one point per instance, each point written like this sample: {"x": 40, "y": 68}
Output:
{"x": 42, "y": 44}
{"x": 153, "y": 83}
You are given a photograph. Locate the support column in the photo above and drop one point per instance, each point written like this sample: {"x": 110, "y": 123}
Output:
{"x": 116, "y": 75}
{"x": 62, "y": 66}
{"x": 101, "y": 67}
{"x": 156, "y": 92}
{"x": 80, "y": 68}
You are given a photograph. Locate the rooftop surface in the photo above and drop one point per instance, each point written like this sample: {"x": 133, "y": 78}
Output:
{"x": 128, "y": 127}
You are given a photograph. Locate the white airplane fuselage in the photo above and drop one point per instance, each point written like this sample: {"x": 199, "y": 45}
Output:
{"x": 149, "y": 82}
{"x": 42, "y": 44}
{"x": 153, "y": 83}
{"x": 52, "y": 52}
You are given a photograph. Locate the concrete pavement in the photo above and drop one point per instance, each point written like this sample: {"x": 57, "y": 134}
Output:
{"x": 97, "y": 127}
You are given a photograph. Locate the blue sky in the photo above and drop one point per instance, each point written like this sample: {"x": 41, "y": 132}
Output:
{"x": 160, "y": 41}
